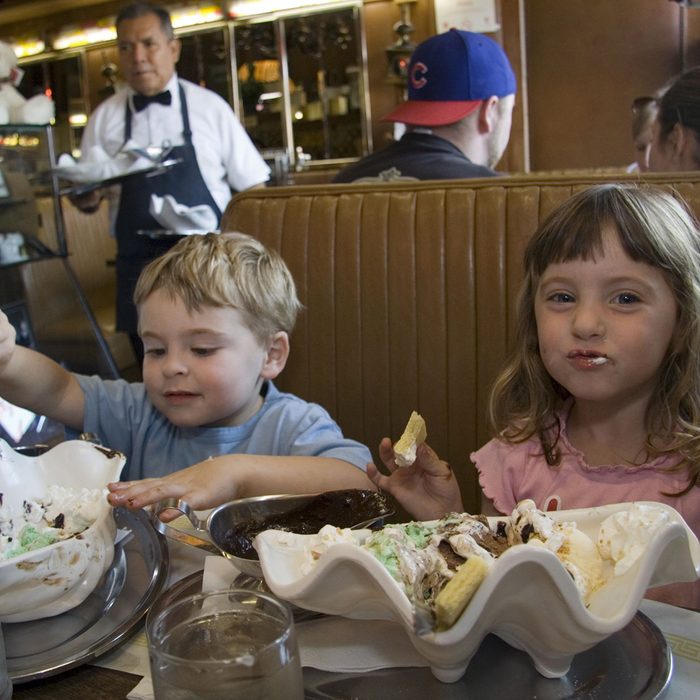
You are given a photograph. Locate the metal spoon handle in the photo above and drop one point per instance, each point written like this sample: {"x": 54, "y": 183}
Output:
{"x": 180, "y": 535}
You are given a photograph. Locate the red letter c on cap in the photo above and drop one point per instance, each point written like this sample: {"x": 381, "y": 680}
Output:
{"x": 417, "y": 75}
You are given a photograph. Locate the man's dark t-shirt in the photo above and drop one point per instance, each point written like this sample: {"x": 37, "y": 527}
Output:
{"x": 417, "y": 155}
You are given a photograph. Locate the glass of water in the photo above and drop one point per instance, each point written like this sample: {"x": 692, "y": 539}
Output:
{"x": 233, "y": 644}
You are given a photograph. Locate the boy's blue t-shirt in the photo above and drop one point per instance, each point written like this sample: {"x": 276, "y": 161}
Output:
{"x": 121, "y": 415}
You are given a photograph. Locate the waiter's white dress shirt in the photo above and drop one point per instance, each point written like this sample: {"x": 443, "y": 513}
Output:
{"x": 226, "y": 156}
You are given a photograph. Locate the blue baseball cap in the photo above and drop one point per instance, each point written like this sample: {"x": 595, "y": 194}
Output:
{"x": 448, "y": 77}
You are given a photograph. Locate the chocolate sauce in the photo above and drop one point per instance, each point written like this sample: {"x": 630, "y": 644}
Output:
{"x": 345, "y": 508}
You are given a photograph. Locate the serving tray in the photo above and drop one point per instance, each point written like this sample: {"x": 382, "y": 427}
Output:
{"x": 45, "y": 647}
{"x": 634, "y": 662}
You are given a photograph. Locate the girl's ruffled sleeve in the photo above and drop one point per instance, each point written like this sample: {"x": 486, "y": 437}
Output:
{"x": 500, "y": 466}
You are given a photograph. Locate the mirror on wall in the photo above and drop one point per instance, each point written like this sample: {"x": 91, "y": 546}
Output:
{"x": 259, "y": 80}
{"x": 325, "y": 66}
{"x": 300, "y": 86}
{"x": 204, "y": 59}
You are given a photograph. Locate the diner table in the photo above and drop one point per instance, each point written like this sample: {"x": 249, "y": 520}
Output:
{"x": 120, "y": 672}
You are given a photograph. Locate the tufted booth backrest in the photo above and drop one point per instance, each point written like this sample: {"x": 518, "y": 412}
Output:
{"x": 409, "y": 292}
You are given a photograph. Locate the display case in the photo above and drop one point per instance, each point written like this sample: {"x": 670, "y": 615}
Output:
{"x": 38, "y": 285}
{"x": 301, "y": 85}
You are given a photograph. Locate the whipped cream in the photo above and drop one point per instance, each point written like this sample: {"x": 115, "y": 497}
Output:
{"x": 623, "y": 536}
{"x": 60, "y": 514}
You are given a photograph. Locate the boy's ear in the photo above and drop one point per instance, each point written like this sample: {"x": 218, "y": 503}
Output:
{"x": 276, "y": 356}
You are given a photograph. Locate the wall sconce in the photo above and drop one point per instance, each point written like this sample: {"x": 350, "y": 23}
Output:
{"x": 399, "y": 53}
{"x": 75, "y": 36}
{"x": 28, "y": 47}
{"x": 191, "y": 16}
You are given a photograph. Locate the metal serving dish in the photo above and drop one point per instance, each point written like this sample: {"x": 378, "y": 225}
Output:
{"x": 230, "y": 528}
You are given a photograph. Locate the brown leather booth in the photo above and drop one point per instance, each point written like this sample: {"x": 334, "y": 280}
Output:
{"x": 409, "y": 292}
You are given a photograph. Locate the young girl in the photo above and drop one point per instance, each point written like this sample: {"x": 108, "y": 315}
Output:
{"x": 600, "y": 402}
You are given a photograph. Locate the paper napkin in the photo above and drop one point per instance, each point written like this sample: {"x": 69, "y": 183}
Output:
{"x": 335, "y": 643}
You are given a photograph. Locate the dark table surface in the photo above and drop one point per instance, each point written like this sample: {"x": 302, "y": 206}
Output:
{"x": 83, "y": 682}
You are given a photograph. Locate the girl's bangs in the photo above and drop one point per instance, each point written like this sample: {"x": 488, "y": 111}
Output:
{"x": 577, "y": 234}
{"x": 577, "y": 239}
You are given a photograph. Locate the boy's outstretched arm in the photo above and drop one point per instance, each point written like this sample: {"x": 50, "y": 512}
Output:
{"x": 427, "y": 489}
{"x": 35, "y": 382}
{"x": 225, "y": 478}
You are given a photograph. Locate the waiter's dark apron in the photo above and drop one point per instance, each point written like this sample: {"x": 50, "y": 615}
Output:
{"x": 185, "y": 183}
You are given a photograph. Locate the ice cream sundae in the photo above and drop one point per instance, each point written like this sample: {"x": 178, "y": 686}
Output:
{"x": 61, "y": 513}
{"x": 440, "y": 564}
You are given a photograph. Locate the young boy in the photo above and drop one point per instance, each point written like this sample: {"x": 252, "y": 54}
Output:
{"x": 215, "y": 314}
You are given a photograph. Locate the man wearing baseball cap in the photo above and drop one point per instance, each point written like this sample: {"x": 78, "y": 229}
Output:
{"x": 461, "y": 91}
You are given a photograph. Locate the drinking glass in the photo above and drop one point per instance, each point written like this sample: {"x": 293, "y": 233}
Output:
{"x": 232, "y": 644}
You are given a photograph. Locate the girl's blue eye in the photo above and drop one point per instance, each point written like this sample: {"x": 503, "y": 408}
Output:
{"x": 627, "y": 298}
{"x": 154, "y": 351}
{"x": 203, "y": 352}
{"x": 561, "y": 298}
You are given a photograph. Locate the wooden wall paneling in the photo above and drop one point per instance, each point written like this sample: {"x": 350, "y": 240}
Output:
{"x": 586, "y": 62}
{"x": 379, "y": 18}
{"x": 691, "y": 53}
{"x": 516, "y": 157}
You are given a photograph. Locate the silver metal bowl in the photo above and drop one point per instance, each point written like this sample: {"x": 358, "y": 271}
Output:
{"x": 230, "y": 528}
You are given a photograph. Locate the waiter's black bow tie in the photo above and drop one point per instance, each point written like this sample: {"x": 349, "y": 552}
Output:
{"x": 142, "y": 101}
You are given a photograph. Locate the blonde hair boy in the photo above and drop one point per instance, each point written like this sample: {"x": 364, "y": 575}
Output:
{"x": 230, "y": 269}
{"x": 207, "y": 424}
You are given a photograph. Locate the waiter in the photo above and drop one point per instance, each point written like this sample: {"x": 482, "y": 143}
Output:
{"x": 158, "y": 109}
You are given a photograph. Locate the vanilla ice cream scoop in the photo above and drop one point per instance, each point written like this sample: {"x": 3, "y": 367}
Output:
{"x": 576, "y": 550}
{"x": 623, "y": 536}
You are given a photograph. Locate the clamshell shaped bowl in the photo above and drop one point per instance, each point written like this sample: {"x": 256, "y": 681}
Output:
{"x": 527, "y": 599}
{"x": 56, "y": 578}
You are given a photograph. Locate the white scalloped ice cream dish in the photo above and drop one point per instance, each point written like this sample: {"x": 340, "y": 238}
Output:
{"x": 528, "y": 598}
{"x": 57, "y": 503}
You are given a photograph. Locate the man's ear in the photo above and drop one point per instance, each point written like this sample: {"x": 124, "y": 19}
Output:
{"x": 488, "y": 113}
{"x": 175, "y": 48}
{"x": 276, "y": 355}
{"x": 677, "y": 141}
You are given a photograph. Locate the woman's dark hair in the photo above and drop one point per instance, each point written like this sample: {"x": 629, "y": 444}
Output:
{"x": 680, "y": 104}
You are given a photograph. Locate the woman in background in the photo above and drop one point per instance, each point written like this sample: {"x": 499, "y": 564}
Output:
{"x": 643, "y": 115}
{"x": 675, "y": 144}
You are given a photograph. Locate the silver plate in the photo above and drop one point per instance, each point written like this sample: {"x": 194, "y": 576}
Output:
{"x": 42, "y": 648}
{"x": 149, "y": 171}
{"x": 635, "y": 662}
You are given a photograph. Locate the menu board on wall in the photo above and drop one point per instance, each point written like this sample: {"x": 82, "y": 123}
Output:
{"x": 472, "y": 15}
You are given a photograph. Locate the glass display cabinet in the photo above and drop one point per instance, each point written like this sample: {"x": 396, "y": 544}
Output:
{"x": 38, "y": 285}
{"x": 297, "y": 79}
{"x": 301, "y": 85}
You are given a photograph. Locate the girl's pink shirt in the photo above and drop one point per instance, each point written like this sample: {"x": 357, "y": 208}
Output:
{"x": 509, "y": 473}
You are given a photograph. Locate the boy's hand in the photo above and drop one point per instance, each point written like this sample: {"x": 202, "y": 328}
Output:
{"x": 8, "y": 337}
{"x": 427, "y": 489}
{"x": 202, "y": 486}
